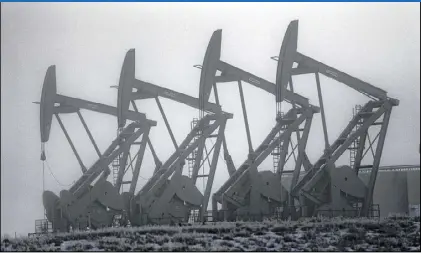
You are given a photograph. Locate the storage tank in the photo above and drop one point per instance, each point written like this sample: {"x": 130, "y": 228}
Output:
{"x": 397, "y": 189}
{"x": 413, "y": 178}
{"x": 390, "y": 191}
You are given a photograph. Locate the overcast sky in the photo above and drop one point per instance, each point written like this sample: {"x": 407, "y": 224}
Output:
{"x": 376, "y": 42}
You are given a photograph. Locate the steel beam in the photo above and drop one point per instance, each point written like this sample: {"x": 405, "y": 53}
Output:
{"x": 339, "y": 151}
{"x": 268, "y": 148}
{"x": 170, "y": 169}
{"x": 260, "y": 83}
{"x": 101, "y": 108}
{"x": 212, "y": 169}
{"x": 199, "y": 156}
{"x": 370, "y": 187}
{"x": 89, "y": 133}
{"x": 263, "y": 146}
{"x": 322, "y": 111}
{"x": 82, "y": 166}
{"x": 139, "y": 161}
{"x": 246, "y": 123}
{"x": 173, "y": 95}
{"x": 301, "y": 151}
{"x": 166, "y": 123}
{"x": 354, "y": 83}
{"x": 109, "y": 155}
{"x": 227, "y": 156}
{"x": 173, "y": 158}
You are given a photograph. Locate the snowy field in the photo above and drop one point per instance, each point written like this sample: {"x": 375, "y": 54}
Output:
{"x": 314, "y": 234}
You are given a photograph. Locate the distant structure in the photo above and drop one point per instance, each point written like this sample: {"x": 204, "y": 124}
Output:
{"x": 173, "y": 195}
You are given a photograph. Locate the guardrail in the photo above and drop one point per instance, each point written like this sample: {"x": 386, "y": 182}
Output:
{"x": 393, "y": 168}
{"x": 374, "y": 212}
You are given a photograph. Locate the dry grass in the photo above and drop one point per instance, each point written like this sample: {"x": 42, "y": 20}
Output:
{"x": 314, "y": 234}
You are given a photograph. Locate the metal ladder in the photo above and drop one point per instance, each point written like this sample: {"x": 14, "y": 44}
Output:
{"x": 43, "y": 226}
{"x": 276, "y": 153}
{"x": 190, "y": 162}
{"x": 356, "y": 143}
{"x": 194, "y": 213}
{"x": 116, "y": 162}
{"x": 192, "y": 157}
{"x": 194, "y": 216}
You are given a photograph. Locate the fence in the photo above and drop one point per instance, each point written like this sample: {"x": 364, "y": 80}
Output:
{"x": 42, "y": 226}
{"x": 374, "y": 212}
{"x": 277, "y": 214}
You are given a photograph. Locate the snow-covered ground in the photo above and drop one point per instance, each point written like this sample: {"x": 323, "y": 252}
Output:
{"x": 314, "y": 234}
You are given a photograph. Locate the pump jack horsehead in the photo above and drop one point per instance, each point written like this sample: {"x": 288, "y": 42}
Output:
{"x": 325, "y": 187}
{"x": 169, "y": 196}
{"x": 84, "y": 204}
{"x": 248, "y": 192}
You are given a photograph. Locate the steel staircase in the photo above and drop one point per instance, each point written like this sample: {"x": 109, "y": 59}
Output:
{"x": 192, "y": 157}
{"x": 355, "y": 144}
{"x": 276, "y": 153}
{"x": 116, "y": 162}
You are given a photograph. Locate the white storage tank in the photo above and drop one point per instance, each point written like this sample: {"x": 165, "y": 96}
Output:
{"x": 390, "y": 192}
{"x": 413, "y": 177}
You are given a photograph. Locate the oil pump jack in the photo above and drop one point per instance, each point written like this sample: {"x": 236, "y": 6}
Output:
{"x": 85, "y": 205}
{"x": 249, "y": 193}
{"x": 169, "y": 196}
{"x": 326, "y": 188}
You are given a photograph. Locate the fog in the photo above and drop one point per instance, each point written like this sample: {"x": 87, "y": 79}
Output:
{"x": 376, "y": 42}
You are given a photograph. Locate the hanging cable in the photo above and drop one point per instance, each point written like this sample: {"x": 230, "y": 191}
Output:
{"x": 58, "y": 182}
{"x": 43, "y": 158}
{"x": 220, "y": 156}
{"x": 143, "y": 178}
{"x": 146, "y": 148}
{"x": 44, "y": 150}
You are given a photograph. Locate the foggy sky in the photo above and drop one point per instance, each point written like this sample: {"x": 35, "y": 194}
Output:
{"x": 375, "y": 42}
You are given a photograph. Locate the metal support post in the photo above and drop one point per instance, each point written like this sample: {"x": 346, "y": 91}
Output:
{"x": 177, "y": 157}
{"x": 359, "y": 156}
{"x": 283, "y": 154}
{"x": 158, "y": 163}
{"x": 139, "y": 160}
{"x": 89, "y": 133}
{"x": 134, "y": 106}
{"x": 243, "y": 105}
{"x": 166, "y": 122}
{"x": 322, "y": 110}
{"x": 227, "y": 156}
{"x": 71, "y": 143}
{"x": 213, "y": 168}
{"x": 198, "y": 159}
{"x": 301, "y": 151}
{"x": 370, "y": 187}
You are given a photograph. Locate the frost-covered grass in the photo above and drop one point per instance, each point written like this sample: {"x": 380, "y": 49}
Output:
{"x": 314, "y": 234}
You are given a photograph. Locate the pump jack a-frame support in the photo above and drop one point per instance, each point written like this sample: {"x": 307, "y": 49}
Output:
{"x": 173, "y": 201}
{"x": 233, "y": 193}
{"x": 84, "y": 204}
{"x": 324, "y": 187}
